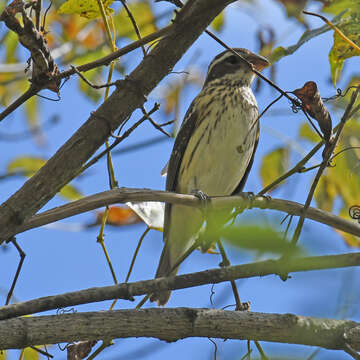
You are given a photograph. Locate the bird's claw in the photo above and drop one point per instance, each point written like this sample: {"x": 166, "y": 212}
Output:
{"x": 204, "y": 198}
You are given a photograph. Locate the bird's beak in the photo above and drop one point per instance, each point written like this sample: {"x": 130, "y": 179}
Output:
{"x": 258, "y": 61}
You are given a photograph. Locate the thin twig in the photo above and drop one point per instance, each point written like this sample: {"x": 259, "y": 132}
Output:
{"x": 351, "y": 351}
{"x": 21, "y": 261}
{"x": 335, "y": 28}
{"x": 155, "y": 124}
{"x": 136, "y": 28}
{"x": 106, "y": 60}
{"x": 90, "y": 83}
{"x": 136, "y": 252}
{"x": 226, "y": 262}
{"x": 118, "y": 139}
{"x": 33, "y": 89}
{"x": 323, "y": 166}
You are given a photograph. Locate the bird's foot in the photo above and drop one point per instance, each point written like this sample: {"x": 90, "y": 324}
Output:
{"x": 204, "y": 199}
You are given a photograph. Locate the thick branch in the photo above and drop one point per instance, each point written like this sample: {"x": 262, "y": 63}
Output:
{"x": 129, "y": 95}
{"x": 124, "y": 195}
{"x": 175, "y": 324}
{"x": 126, "y": 291}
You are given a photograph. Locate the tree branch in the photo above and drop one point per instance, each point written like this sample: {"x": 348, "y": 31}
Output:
{"x": 124, "y": 195}
{"x": 130, "y": 94}
{"x": 175, "y": 324}
{"x": 127, "y": 291}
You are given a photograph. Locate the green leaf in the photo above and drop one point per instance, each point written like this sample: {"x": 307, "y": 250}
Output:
{"x": 85, "y": 8}
{"x": 306, "y": 132}
{"x": 263, "y": 239}
{"x": 218, "y": 23}
{"x": 280, "y": 51}
{"x": 274, "y": 164}
{"x": 143, "y": 16}
{"x": 336, "y": 6}
{"x": 341, "y": 49}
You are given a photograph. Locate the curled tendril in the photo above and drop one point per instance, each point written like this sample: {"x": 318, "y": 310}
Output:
{"x": 339, "y": 93}
{"x": 354, "y": 212}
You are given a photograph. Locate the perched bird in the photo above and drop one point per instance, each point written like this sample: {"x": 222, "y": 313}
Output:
{"x": 209, "y": 153}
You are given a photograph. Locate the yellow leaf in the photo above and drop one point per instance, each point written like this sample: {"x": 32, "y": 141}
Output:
{"x": 145, "y": 20}
{"x": 325, "y": 193}
{"x": 85, "y": 8}
{"x": 218, "y": 23}
{"x": 341, "y": 49}
{"x": 28, "y": 166}
{"x": 350, "y": 240}
{"x": 69, "y": 192}
{"x": 274, "y": 164}
{"x": 306, "y": 132}
{"x": 31, "y": 354}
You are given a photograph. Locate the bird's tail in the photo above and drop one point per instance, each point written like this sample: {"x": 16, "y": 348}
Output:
{"x": 184, "y": 225}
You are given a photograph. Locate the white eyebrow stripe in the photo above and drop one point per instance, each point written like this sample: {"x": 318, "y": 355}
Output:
{"x": 217, "y": 61}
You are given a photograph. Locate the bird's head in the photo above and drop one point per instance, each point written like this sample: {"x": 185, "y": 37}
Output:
{"x": 228, "y": 67}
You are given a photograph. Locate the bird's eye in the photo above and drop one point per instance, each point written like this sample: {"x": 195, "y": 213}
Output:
{"x": 232, "y": 59}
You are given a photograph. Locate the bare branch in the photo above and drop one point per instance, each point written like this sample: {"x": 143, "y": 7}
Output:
{"x": 129, "y": 95}
{"x": 127, "y": 291}
{"x": 175, "y": 324}
{"x": 124, "y": 195}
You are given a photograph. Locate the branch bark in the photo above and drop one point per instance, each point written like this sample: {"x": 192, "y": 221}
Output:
{"x": 124, "y": 195}
{"x": 130, "y": 94}
{"x": 174, "y": 324}
{"x": 127, "y": 291}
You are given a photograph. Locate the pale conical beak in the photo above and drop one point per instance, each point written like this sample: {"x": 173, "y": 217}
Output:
{"x": 259, "y": 62}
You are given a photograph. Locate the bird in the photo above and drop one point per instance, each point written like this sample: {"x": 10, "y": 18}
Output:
{"x": 213, "y": 151}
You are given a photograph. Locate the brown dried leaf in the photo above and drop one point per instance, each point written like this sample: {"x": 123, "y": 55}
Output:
{"x": 80, "y": 350}
{"x": 314, "y": 106}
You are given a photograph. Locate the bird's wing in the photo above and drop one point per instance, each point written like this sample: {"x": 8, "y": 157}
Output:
{"x": 177, "y": 154}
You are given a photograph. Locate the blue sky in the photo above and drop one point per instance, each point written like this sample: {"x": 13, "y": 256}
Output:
{"x": 61, "y": 261}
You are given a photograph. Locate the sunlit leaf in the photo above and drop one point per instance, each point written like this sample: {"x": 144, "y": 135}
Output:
{"x": 10, "y": 44}
{"x": 336, "y": 6}
{"x": 341, "y": 49}
{"x": 28, "y": 165}
{"x": 342, "y": 180}
{"x": 218, "y": 23}
{"x": 325, "y": 193}
{"x": 31, "y": 354}
{"x": 69, "y": 192}
{"x": 281, "y": 51}
{"x": 143, "y": 15}
{"x": 351, "y": 240}
{"x": 262, "y": 239}
{"x": 3, "y": 353}
{"x": 306, "y": 132}
{"x": 274, "y": 164}
{"x": 85, "y": 8}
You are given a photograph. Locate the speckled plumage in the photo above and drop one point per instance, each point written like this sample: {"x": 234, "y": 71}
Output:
{"x": 208, "y": 153}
